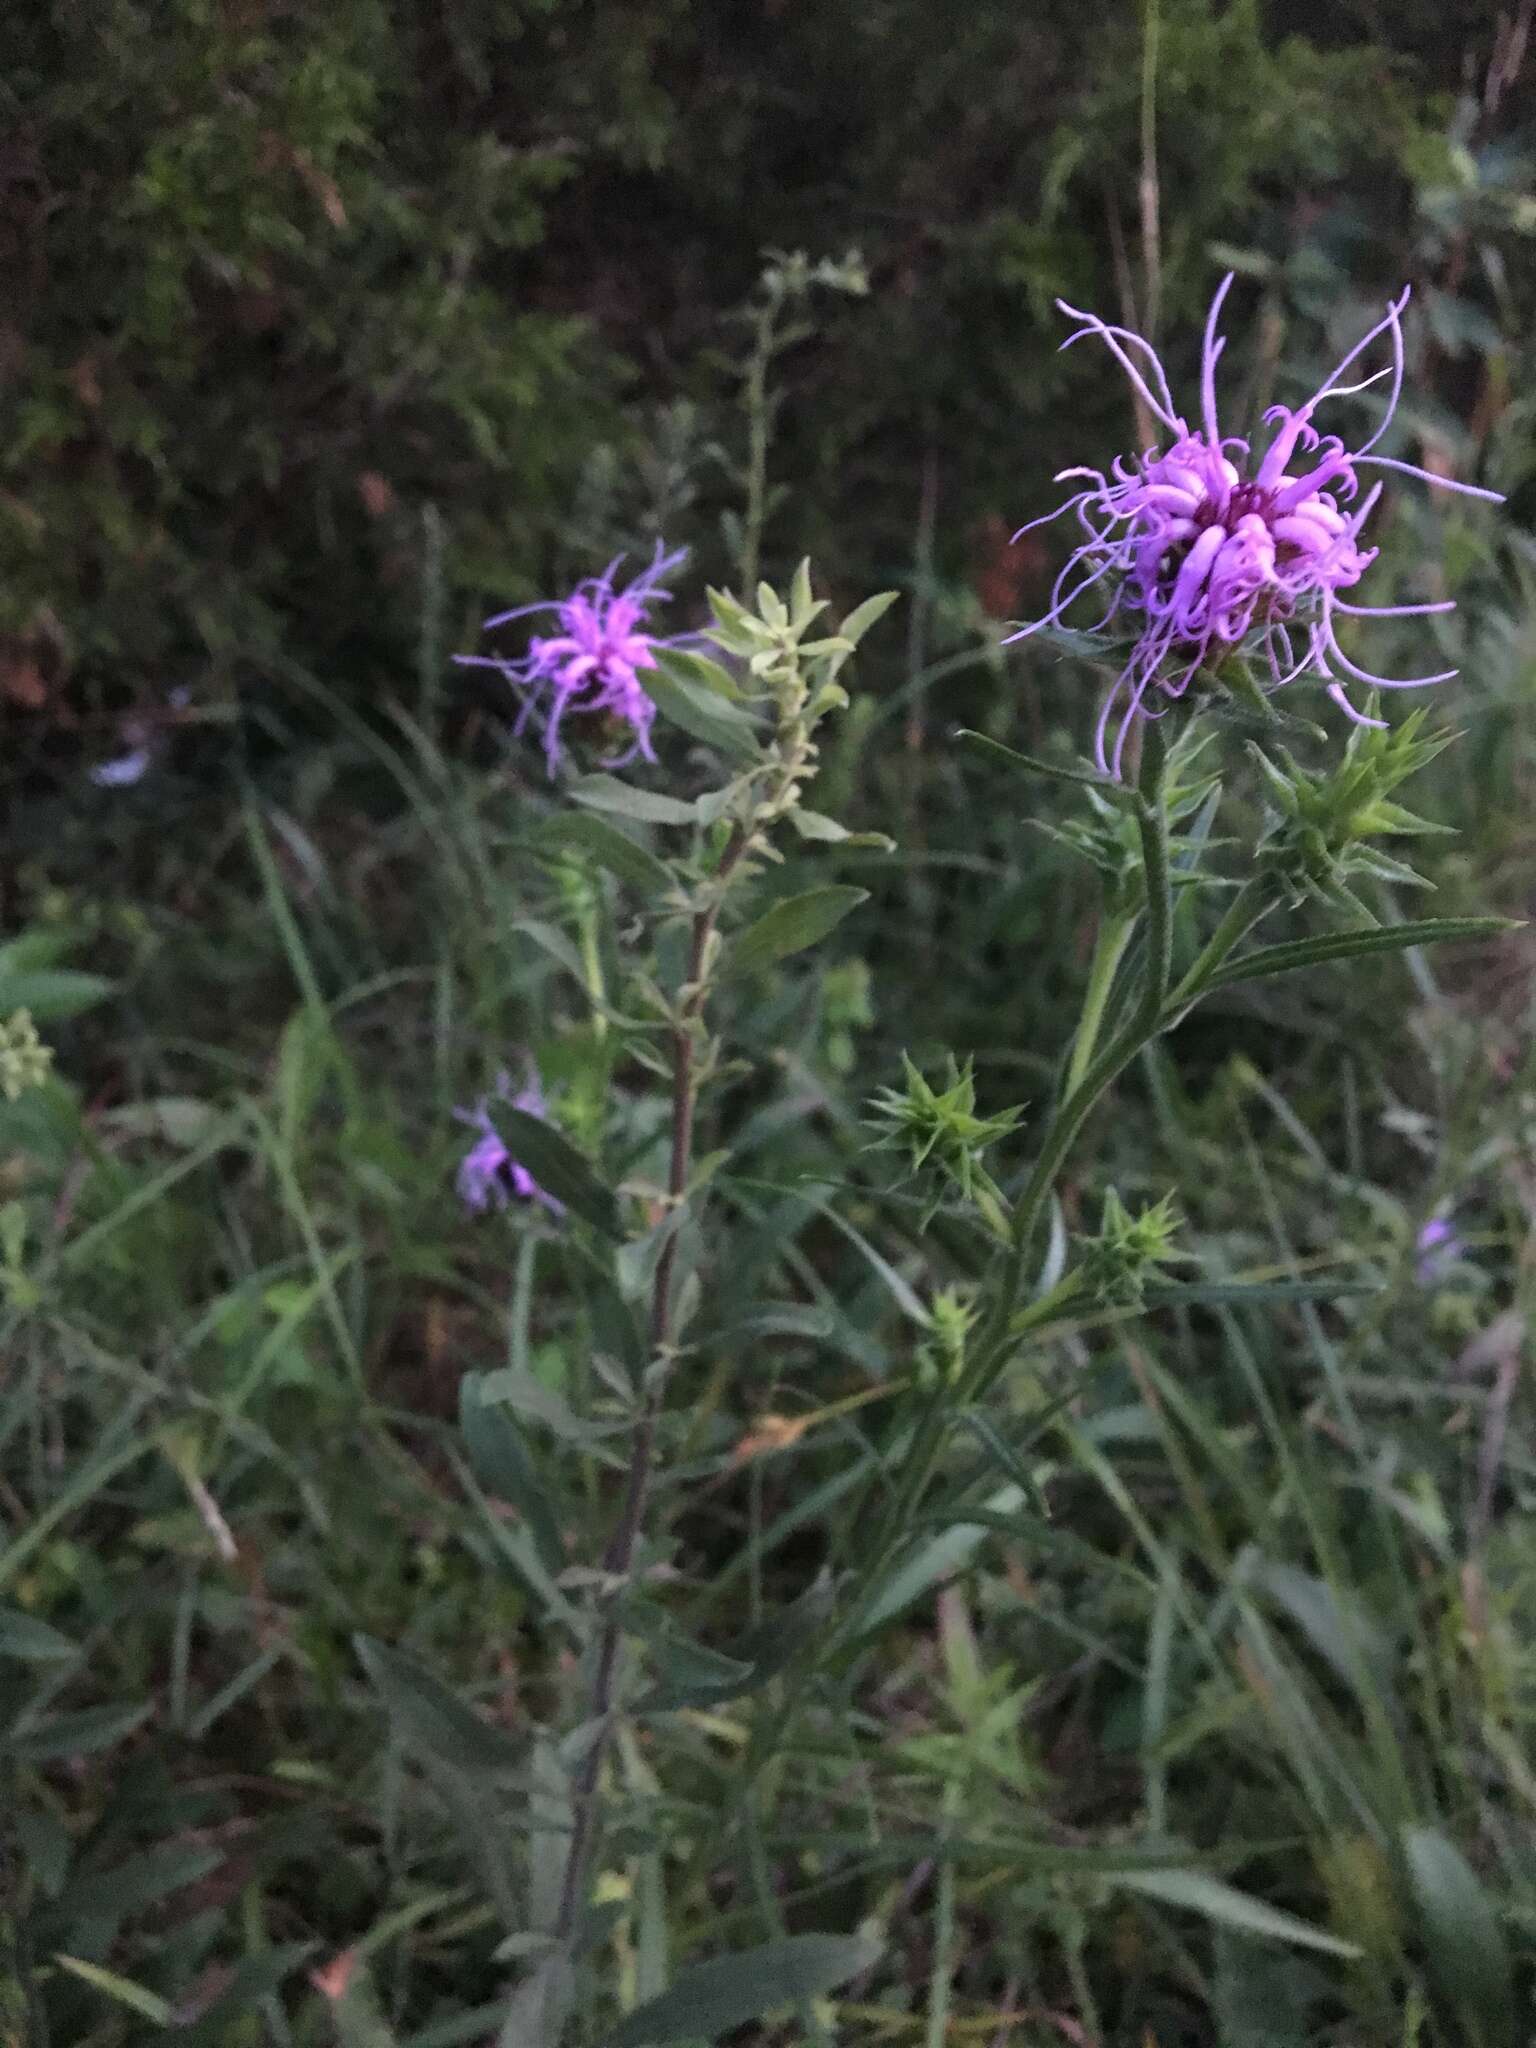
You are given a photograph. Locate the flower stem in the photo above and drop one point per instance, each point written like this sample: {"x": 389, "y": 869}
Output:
{"x": 1001, "y": 1330}
{"x": 619, "y": 1557}
{"x": 1251, "y": 902}
{"x": 1108, "y": 951}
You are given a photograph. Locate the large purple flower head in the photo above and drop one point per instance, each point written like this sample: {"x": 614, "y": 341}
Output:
{"x": 488, "y": 1175}
{"x": 1208, "y": 544}
{"x": 592, "y": 662}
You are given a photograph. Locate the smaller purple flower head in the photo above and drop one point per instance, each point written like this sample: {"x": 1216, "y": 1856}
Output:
{"x": 488, "y": 1175}
{"x": 1438, "y": 1247}
{"x": 593, "y": 661}
{"x": 1208, "y": 543}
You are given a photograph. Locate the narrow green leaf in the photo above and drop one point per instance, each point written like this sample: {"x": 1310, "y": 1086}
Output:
{"x": 529, "y": 1396}
{"x": 501, "y": 1462}
{"x": 790, "y": 926}
{"x": 689, "y": 1673}
{"x": 51, "y": 993}
{"x": 585, "y": 832}
{"x": 538, "y": 2009}
{"x": 706, "y": 2001}
{"x": 707, "y": 674}
{"x": 1334, "y": 1622}
{"x": 428, "y": 1714}
{"x": 180, "y": 1120}
{"x": 801, "y": 597}
{"x": 1334, "y": 946}
{"x": 937, "y": 1560}
{"x": 255, "y": 1978}
{"x": 1249, "y": 1293}
{"x": 1462, "y": 1935}
{"x": 136, "y": 1883}
{"x": 557, "y": 1166}
{"x": 1115, "y": 791}
{"x": 1229, "y": 1907}
{"x": 79, "y": 1734}
{"x": 863, "y": 616}
{"x": 607, "y": 793}
{"x": 704, "y": 714}
{"x": 25, "y": 1640}
{"x": 812, "y": 825}
{"x": 148, "y": 2004}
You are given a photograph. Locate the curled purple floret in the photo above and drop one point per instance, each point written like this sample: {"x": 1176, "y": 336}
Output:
{"x": 1207, "y": 545}
{"x": 488, "y": 1175}
{"x": 593, "y": 661}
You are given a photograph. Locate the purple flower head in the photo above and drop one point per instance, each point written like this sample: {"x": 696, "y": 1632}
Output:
{"x": 1438, "y": 1248}
{"x": 488, "y": 1175}
{"x": 592, "y": 663}
{"x": 1209, "y": 542}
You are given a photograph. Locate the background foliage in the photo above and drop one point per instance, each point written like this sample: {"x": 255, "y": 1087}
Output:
{"x": 330, "y": 330}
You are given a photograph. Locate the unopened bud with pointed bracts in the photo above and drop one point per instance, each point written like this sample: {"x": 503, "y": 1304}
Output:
{"x": 1130, "y": 1249}
{"x": 939, "y": 1127}
{"x": 1316, "y": 837}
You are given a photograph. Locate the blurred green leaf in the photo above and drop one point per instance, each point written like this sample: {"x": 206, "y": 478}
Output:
{"x": 137, "y": 1997}
{"x": 501, "y": 1462}
{"x": 865, "y": 615}
{"x": 50, "y": 993}
{"x": 1463, "y": 1939}
{"x": 28, "y": 1641}
{"x": 704, "y": 713}
{"x": 706, "y": 2001}
{"x": 430, "y": 1716}
{"x": 556, "y": 1165}
{"x": 1335, "y": 946}
{"x": 649, "y": 807}
{"x": 792, "y": 925}
{"x": 77, "y": 1734}
{"x": 1223, "y": 1903}
{"x": 584, "y": 832}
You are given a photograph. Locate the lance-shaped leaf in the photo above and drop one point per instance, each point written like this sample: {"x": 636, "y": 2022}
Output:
{"x": 1335, "y": 946}
{"x": 556, "y": 1165}
{"x": 705, "y": 713}
{"x": 607, "y": 793}
{"x": 501, "y": 1461}
{"x": 433, "y": 1718}
{"x": 1229, "y": 1907}
{"x": 792, "y": 925}
{"x": 863, "y": 616}
{"x": 709, "y": 1999}
{"x": 1116, "y": 792}
{"x": 1463, "y": 1938}
{"x": 813, "y": 825}
{"x": 584, "y": 832}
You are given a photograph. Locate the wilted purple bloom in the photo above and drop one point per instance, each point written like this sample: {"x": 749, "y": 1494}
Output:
{"x": 593, "y": 663}
{"x": 1205, "y": 543}
{"x": 488, "y": 1174}
{"x": 123, "y": 771}
{"x": 1438, "y": 1248}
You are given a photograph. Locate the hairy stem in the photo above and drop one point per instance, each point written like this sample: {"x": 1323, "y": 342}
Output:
{"x": 758, "y": 422}
{"x": 619, "y": 1557}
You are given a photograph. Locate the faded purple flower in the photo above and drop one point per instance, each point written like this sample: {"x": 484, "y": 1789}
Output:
{"x": 488, "y": 1174}
{"x": 1438, "y": 1248}
{"x": 1209, "y": 542}
{"x": 123, "y": 771}
{"x": 593, "y": 662}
